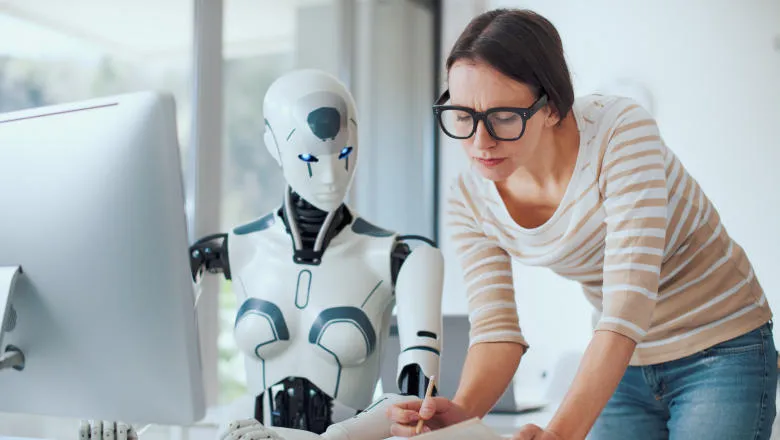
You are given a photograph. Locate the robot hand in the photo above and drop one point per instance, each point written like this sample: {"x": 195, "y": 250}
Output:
{"x": 210, "y": 254}
{"x": 251, "y": 429}
{"x": 105, "y": 430}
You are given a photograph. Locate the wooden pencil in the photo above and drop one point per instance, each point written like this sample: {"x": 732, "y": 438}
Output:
{"x": 428, "y": 394}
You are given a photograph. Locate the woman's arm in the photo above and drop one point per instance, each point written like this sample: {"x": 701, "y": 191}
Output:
{"x": 496, "y": 341}
{"x": 600, "y": 371}
{"x": 488, "y": 369}
{"x": 487, "y": 372}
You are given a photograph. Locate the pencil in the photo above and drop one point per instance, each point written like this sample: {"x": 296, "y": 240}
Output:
{"x": 428, "y": 394}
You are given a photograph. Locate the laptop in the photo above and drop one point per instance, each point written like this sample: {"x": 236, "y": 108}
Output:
{"x": 453, "y": 356}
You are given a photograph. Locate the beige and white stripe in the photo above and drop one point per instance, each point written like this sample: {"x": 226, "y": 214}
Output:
{"x": 634, "y": 228}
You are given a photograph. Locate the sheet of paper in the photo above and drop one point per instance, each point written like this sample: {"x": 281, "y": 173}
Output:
{"x": 472, "y": 429}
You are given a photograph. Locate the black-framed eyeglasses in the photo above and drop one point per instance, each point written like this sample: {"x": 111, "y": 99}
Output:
{"x": 503, "y": 123}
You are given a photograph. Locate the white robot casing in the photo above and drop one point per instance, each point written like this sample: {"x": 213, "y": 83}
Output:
{"x": 318, "y": 155}
{"x": 292, "y": 324}
{"x": 327, "y": 322}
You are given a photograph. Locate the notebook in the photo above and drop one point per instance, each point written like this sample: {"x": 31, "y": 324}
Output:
{"x": 472, "y": 429}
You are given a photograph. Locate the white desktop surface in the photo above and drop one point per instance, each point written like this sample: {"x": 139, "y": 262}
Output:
{"x": 507, "y": 424}
{"x": 26, "y": 427}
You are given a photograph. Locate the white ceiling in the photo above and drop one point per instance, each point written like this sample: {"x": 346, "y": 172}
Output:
{"x": 138, "y": 28}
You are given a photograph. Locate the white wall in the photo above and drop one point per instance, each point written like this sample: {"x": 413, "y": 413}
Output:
{"x": 456, "y": 15}
{"x": 714, "y": 73}
{"x": 392, "y": 83}
{"x": 394, "y": 89}
{"x": 316, "y": 45}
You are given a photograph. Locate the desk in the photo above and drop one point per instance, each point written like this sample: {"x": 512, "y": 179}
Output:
{"x": 37, "y": 427}
{"x": 506, "y": 424}
{"x": 503, "y": 424}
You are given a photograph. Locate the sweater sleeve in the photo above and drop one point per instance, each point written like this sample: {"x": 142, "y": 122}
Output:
{"x": 633, "y": 185}
{"x": 487, "y": 273}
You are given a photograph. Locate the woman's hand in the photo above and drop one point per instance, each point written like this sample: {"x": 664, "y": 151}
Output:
{"x": 533, "y": 432}
{"x": 437, "y": 412}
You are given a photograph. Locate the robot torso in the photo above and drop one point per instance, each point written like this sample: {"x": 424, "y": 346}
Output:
{"x": 324, "y": 322}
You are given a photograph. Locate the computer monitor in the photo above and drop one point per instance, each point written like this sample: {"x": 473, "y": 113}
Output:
{"x": 92, "y": 209}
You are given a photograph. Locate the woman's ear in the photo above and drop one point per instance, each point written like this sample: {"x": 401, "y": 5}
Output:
{"x": 552, "y": 118}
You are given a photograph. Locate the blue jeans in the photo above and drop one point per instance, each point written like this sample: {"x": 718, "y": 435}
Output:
{"x": 724, "y": 392}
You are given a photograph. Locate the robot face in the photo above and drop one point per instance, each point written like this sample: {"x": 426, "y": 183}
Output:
{"x": 317, "y": 148}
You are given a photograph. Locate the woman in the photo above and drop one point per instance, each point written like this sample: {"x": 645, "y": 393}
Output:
{"x": 586, "y": 187}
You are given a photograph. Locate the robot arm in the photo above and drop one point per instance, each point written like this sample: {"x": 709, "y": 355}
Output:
{"x": 210, "y": 254}
{"x": 418, "y": 291}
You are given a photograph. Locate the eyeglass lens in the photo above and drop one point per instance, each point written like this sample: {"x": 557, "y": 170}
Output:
{"x": 461, "y": 124}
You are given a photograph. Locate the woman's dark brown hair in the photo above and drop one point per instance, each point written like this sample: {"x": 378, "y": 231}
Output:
{"x": 522, "y": 45}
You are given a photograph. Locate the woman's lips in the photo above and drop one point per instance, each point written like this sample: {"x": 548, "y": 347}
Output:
{"x": 489, "y": 162}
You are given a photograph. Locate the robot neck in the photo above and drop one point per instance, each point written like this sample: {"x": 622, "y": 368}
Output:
{"x": 309, "y": 221}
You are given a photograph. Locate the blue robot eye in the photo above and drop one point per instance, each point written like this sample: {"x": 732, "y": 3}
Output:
{"x": 346, "y": 151}
{"x": 308, "y": 158}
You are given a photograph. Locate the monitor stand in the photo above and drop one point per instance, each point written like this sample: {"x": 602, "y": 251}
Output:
{"x": 10, "y": 356}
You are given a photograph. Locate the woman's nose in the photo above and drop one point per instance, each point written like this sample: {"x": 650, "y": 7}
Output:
{"x": 482, "y": 138}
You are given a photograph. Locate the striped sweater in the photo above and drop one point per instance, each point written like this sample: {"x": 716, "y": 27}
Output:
{"x": 633, "y": 228}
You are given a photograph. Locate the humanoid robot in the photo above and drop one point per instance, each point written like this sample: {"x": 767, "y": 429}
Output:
{"x": 316, "y": 282}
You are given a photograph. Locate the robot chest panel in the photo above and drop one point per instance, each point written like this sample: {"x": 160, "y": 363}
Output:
{"x": 335, "y": 309}
{"x": 344, "y": 281}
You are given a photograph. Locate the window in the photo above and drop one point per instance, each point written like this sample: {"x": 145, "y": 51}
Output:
{"x": 53, "y": 52}
{"x": 49, "y": 55}
{"x": 252, "y": 184}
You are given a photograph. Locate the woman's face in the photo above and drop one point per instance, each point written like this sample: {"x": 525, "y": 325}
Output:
{"x": 479, "y": 86}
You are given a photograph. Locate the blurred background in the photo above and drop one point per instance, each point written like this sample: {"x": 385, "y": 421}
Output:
{"x": 709, "y": 71}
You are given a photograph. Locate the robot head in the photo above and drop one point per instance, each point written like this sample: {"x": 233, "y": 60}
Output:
{"x": 311, "y": 131}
